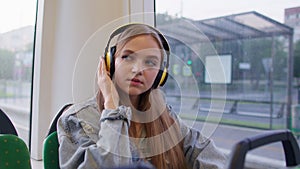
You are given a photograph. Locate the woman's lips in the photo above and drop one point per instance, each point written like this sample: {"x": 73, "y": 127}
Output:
{"x": 135, "y": 82}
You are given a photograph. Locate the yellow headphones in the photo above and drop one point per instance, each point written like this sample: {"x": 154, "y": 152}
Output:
{"x": 162, "y": 75}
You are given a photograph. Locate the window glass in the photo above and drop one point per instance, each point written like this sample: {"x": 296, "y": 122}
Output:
{"x": 17, "y": 18}
{"x": 200, "y": 30}
{"x": 229, "y": 63}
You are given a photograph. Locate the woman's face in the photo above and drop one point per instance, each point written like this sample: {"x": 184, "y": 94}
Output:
{"x": 137, "y": 64}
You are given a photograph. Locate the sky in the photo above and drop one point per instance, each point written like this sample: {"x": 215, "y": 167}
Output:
{"x": 16, "y": 13}
{"x": 204, "y": 9}
{"x": 19, "y": 13}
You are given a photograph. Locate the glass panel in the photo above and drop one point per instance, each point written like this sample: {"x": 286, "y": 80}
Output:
{"x": 17, "y": 18}
{"x": 256, "y": 90}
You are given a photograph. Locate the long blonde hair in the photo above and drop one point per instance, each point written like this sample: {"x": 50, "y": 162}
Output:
{"x": 166, "y": 140}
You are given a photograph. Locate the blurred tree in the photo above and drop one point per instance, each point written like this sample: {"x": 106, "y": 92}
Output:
{"x": 260, "y": 48}
{"x": 297, "y": 67}
{"x": 7, "y": 63}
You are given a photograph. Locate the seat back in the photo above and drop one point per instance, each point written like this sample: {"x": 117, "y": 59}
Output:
{"x": 50, "y": 149}
{"x": 13, "y": 153}
{"x": 53, "y": 127}
{"x": 290, "y": 146}
{"x": 50, "y": 152}
{"x": 6, "y": 126}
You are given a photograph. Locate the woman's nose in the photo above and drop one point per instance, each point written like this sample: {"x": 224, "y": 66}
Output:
{"x": 137, "y": 67}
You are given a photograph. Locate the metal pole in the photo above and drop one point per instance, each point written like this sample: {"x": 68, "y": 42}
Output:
{"x": 289, "y": 82}
{"x": 298, "y": 87}
{"x": 271, "y": 81}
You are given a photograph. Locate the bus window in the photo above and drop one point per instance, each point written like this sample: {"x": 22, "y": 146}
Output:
{"x": 17, "y": 18}
{"x": 231, "y": 65}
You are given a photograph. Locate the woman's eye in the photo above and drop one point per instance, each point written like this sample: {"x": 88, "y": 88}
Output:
{"x": 151, "y": 63}
{"x": 126, "y": 57}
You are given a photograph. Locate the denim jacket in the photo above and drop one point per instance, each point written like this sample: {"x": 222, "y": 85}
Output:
{"x": 89, "y": 140}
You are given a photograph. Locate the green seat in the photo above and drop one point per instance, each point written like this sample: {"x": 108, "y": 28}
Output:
{"x": 14, "y": 153}
{"x": 50, "y": 149}
{"x": 50, "y": 152}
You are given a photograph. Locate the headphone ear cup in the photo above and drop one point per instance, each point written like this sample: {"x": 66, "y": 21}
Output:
{"x": 110, "y": 61}
{"x": 164, "y": 77}
{"x": 107, "y": 61}
{"x": 161, "y": 78}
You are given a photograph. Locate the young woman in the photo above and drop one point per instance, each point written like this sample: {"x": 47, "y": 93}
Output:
{"x": 128, "y": 122}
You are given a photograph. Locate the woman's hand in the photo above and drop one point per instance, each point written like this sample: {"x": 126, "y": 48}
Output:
{"x": 106, "y": 87}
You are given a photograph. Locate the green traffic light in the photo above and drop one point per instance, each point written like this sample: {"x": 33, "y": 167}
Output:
{"x": 189, "y": 62}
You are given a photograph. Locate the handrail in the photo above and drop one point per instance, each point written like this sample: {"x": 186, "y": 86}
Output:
{"x": 290, "y": 146}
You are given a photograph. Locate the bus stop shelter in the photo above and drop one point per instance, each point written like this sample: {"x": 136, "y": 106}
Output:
{"x": 248, "y": 25}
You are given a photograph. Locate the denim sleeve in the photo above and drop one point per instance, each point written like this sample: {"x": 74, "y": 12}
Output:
{"x": 78, "y": 150}
{"x": 201, "y": 152}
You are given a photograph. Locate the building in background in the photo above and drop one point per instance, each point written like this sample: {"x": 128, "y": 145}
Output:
{"x": 292, "y": 19}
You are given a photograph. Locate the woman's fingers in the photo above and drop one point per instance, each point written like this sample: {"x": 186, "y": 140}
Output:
{"x": 102, "y": 73}
{"x": 106, "y": 86}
